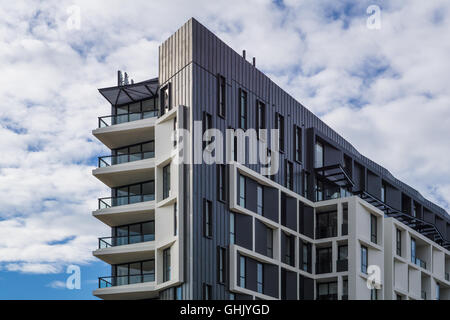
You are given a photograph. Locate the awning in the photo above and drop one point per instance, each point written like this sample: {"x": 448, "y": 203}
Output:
{"x": 131, "y": 92}
{"x": 335, "y": 174}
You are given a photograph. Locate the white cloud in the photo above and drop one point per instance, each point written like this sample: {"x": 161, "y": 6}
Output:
{"x": 50, "y": 103}
{"x": 57, "y": 284}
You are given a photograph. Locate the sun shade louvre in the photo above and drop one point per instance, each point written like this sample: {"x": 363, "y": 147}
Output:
{"x": 130, "y": 93}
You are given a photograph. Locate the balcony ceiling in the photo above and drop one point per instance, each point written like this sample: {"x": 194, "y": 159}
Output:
{"x": 130, "y": 93}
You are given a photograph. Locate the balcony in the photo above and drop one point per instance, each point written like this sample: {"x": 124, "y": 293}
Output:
{"x": 342, "y": 265}
{"x": 419, "y": 262}
{"x": 107, "y": 161}
{"x": 116, "y": 253}
{"x": 125, "y": 169}
{"x": 112, "y": 281}
{"x": 128, "y": 287}
{"x": 107, "y": 242}
{"x": 323, "y": 267}
{"x": 111, "y": 120}
{"x": 109, "y": 202}
{"x": 326, "y": 232}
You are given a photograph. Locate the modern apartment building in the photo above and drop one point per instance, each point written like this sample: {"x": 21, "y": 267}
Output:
{"x": 321, "y": 226}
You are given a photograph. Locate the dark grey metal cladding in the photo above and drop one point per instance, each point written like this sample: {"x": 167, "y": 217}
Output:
{"x": 215, "y": 57}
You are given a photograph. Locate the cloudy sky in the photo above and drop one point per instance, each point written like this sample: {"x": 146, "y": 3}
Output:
{"x": 386, "y": 90}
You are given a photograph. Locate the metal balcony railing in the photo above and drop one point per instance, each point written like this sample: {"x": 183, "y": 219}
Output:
{"x": 108, "y": 202}
{"x": 111, "y": 120}
{"x": 419, "y": 262}
{"x": 107, "y": 161}
{"x": 112, "y": 281}
{"x": 106, "y": 242}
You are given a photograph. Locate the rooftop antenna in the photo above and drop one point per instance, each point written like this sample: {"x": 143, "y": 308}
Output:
{"x": 126, "y": 79}
{"x": 119, "y": 78}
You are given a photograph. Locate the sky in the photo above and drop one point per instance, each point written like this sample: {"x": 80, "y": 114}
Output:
{"x": 385, "y": 89}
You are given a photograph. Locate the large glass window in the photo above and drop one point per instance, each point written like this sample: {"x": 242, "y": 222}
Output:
{"x": 130, "y": 153}
{"x": 413, "y": 250}
{"x": 243, "y": 110}
{"x": 132, "y": 233}
{"x": 135, "y": 272}
{"x": 326, "y": 224}
{"x": 259, "y": 200}
{"x": 323, "y": 260}
{"x": 259, "y": 277}
{"x": 139, "y": 192}
{"x": 364, "y": 259}
{"x": 269, "y": 242}
{"x": 166, "y": 264}
{"x": 166, "y": 181}
{"x": 318, "y": 155}
{"x": 242, "y": 191}
{"x": 242, "y": 272}
{"x": 398, "y": 236}
{"x": 288, "y": 248}
{"x": 135, "y": 111}
{"x": 327, "y": 291}
{"x": 306, "y": 253}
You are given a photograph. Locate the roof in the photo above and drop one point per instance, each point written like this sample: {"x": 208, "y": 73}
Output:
{"x": 131, "y": 92}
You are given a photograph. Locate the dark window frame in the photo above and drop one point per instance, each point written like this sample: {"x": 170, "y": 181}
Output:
{"x": 243, "y": 109}
{"x": 222, "y": 265}
{"x": 221, "y": 96}
{"x": 221, "y": 182}
{"x": 364, "y": 259}
{"x": 163, "y": 100}
{"x": 260, "y": 116}
{"x": 207, "y": 218}
{"x": 398, "y": 241}
{"x": 167, "y": 264}
{"x": 297, "y": 144}
{"x": 289, "y": 175}
{"x": 279, "y": 124}
{"x": 166, "y": 181}
{"x": 373, "y": 228}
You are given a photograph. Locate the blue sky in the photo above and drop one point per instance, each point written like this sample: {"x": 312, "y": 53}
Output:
{"x": 384, "y": 90}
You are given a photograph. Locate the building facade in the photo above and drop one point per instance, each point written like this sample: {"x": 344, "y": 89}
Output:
{"x": 327, "y": 224}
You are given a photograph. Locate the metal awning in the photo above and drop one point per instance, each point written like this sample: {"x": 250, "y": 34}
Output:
{"x": 335, "y": 174}
{"x": 131, "y": 92}
{"x": 423, "y": 227}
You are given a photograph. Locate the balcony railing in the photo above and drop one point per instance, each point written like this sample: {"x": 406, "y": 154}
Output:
{"x": 111, "y": 120}
{"x": 419, "y": 262}
{"x": 326, "y": 232}
{"x": 106, "y": 242}
{"x": 323, "y": 267}
{"x": 108, "y": 202}
{"x": 112, "y": 281}
{"x": 342, "y": 265}
{"x": 107, "y": 161}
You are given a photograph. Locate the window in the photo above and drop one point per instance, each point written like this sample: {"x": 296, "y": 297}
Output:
{"x": 279, "y": 124}
{"x": 327, "y": 291}
{"x": 364, "y": 259}
{"x": 413, "y": 250}
{"x": 374, "y": 294}
{"x": 259, "y": 200}
{"x": 398, "y": 241}
{"x": 207, "y": 218}
{"x": 221, "y": 84}
{"x": 166, "y": 264}
{"x": 178, "y": 293}
{"x": 260, "y": 116}
{"x": 287, "y": 253}
{"x": 175, "y": 227}
{"x": 232, "y": 235}
{"x": 269, "y": 242}
{"x": 438, "y": 291}
{"x": 221, "y": 182}
{"x": 242, "y": 272}
{"x": 221, "y": 257}
{"x": 297, "y": 144}
{"x": 326, "y": 224}
{"x": 318, "y": 155}
{"x": 242, "y": 191}
{"x": 383, "y": 192}
{"x": 166, "y": 181}
{"x": 373, "y": 228}
{"x": 207, "y": 124}
{"x": 259, "y": 278}
{"x": 134, "y": 193}
{"x": 207, "y": 291}
{"x": 130, "y": 153}
{"x": 135, "y": 272}
{"x": 289, "y": 176}
{"x": 306, "y": 252}
{"x": 342, "y": 252}
{"x": 319, "y": 190}
{"x": 132, "y": 233}
{"x": 305, "y": 184}
{"x": 324, "y": 260}
{"x": 242, "y": 109}
{"x": 175, "y": 124}
{"x": 165, "y": 99}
